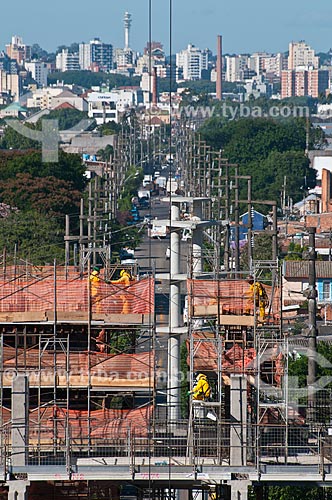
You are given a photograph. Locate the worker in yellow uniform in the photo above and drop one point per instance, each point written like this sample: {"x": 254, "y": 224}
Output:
{"x": 257, "y": 297}
{"x": 125, "y": 279}
{"x": 202, "y": 389}
{"x": 95, "y": 288}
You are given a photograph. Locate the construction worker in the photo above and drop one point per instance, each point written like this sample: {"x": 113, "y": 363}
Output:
{"x": 101, "y": 341}
{"x": 257, "y": 297}
{"x": 94, "y": 287}
{"x": 125, "y": 279}
{"x": 202, "y": 389}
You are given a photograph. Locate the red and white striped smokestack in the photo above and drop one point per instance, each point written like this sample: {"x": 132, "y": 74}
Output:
{"x": 154, "y": 87}
{"x": 219, "y": 68}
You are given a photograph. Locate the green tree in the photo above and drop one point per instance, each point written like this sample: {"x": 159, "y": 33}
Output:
{"x": 295, "y": 251}
{"x": 13, "y": 140}
{"x": 67, "y": 118}
{"x": 266, "y": 149}
{"x": 68, "y": 168}
{"x": 262, "y": 250}
{"x": 106, "y": 153}
{"x": 290, "y": 166}
{"x": 35, "y": 237}
{"x": 109, "y": 128}
{"x": 88, "y": 79}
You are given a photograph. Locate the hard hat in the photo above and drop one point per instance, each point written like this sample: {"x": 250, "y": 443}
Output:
{"x": 96, "y": 269}
{"x": 123, "y": 272}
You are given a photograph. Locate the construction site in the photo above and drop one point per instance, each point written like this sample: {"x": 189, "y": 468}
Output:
{"x": 89, "y": 409}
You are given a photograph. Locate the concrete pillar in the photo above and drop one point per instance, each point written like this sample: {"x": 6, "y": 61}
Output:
{"x": 197, "y": 240}
{"x": 238, "y": 437}
{"x": 175, "y": 298}
{"x": 239, "y": 489}
{"x": 173, "y": 393}
{"x": 20, "y": 420}
{"x": 18, "y": 490}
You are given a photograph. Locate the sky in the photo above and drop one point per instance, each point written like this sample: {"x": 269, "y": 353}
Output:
{"x": 258, "y": 25}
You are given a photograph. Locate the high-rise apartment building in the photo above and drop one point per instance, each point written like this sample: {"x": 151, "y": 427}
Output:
{"x": 39, "y": 72}
{"x": 263, "y": 63}
{"x": 96, "y": 55}
{"x": 66, "y": 61}
{"x": 275, "y": 64}
{"x": 18, "y": 51}
{"x": 304, "y": 82}
{"x": 193, "y": 62}
{"x": 235, "y": 67}
{"x": 10, "y": 84}
{"x": 302, "y": 55}
{"x": 318, "y": 82}
{"x": 85, "y": 56}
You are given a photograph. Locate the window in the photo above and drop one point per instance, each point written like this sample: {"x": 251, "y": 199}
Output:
{"x": 326, "y": 290}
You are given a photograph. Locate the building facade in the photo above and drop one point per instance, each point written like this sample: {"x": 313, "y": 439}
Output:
{"x": 304, "y": 82}
{"x": 66, "y": 61}
{"x": 193, "y": 62}
{"x": 96, "y": 55}
{"x": 39, "y": 72}
{"x": 18, "y": 51}
{"x": 301, "y": 54}
{"x": 235, "y": 67}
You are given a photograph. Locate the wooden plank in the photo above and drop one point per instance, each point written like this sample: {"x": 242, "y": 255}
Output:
{"x": 42, "y": 380}
{"x": 63, "y": 316}
{"x": 235, "y": 320}
{"x": 224, "y": 319}
{"x": 126, "y": 319}
{"x": 206, "y": 310}
{"x": 23, "y": 317}
{"x": 77, "y": 316}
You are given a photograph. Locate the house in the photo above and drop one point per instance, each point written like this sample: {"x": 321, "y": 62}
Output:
{"x": 69, "y": 98}
{"x": 296, "y": 281}
{"x": 258, "y": 222}
{"x": 14, "y": 110}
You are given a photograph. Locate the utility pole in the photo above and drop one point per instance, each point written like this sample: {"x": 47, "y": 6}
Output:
{"x": 250, "y": 247}
{"x": 312, "y": 335}
{"x": 237, "y": 220}
{"x": 227, "y": 216}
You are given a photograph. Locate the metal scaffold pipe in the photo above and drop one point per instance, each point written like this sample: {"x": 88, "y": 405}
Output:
{"x": 197, "y": 240}
{"x": 312, "y": 335}
{"x": 173, "y": 392}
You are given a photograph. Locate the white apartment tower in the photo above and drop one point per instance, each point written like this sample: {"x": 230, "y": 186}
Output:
{"x": 66, "y": 61}
{"x": 235, "y": 65}
{"x": 302, "y": 55}
{"x": 39, "y": 72}
{"x": 85, "y": 56}
{"x": 193, "y": 61}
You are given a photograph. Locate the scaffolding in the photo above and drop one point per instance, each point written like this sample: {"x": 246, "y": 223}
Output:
{"x": 88, "y": 384}
{"x": 241, "y": 353}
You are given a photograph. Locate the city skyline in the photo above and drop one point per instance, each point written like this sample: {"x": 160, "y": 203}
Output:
{"x": 191, "y": 23}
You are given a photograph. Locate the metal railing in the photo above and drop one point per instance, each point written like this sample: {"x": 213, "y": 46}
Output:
{"x": 171, "y": 444}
